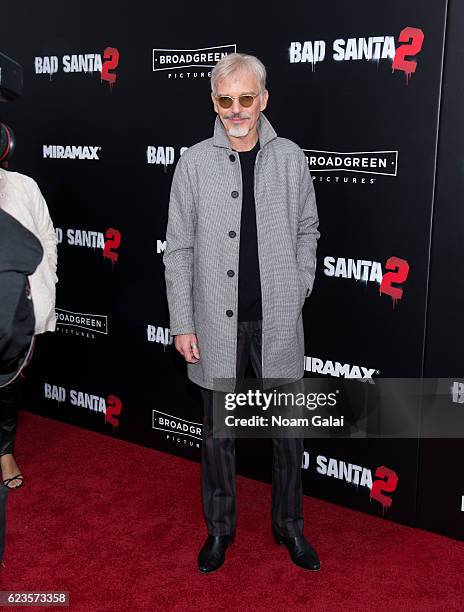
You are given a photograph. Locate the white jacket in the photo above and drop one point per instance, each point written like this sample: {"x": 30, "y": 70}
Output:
{"x": 20, "y": 196}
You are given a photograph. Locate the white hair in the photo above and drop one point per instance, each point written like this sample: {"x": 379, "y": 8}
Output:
{"x": 238, "y": 62}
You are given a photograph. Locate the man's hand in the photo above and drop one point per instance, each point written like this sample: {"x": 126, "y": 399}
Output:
{"x": 183, "y": 343}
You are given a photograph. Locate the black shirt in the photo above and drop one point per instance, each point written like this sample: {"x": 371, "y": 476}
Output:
{"x": 249, "y": 282}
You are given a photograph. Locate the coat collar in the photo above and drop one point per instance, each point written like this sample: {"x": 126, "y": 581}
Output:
{"x": 266, "y": 132}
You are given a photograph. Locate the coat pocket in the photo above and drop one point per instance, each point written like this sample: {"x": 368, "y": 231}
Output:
{"x": 303, "y": 289}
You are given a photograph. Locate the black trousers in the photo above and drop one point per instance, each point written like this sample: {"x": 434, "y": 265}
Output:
{"x": 9, "y": 402}
{"x": 10, "y": 397}
{"x": 218, "y": 458}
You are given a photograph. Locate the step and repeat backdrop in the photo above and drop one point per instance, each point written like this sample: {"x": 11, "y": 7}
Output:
{"x": 112, "y": 100}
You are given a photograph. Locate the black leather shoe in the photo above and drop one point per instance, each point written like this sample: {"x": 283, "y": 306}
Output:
{"x": 211, "y": 555}
{"x": 301, "y": 551}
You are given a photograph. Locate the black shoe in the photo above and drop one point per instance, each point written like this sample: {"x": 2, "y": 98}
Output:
{"x": 211, "y": 556}
{"x": 301, "y": 551}
{"x": 17, "y": 477}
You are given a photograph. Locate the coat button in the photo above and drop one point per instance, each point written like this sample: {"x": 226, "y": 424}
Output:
{"x": 232, "y": 157}
{"x": 229, "y": 313}
{"x": 230, "y": 273}
{"x": 232, "y": 234}
{"x": 234, "y": 194}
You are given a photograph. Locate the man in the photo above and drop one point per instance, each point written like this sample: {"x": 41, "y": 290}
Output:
{"x": 240, "y": 261}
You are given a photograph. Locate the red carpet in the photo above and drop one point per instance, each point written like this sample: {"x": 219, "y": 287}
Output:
{"x": 119, "y": 527}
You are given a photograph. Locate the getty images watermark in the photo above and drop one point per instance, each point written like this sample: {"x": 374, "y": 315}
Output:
{"x": 334, "y": 407}
{"x": 270, "y": 401}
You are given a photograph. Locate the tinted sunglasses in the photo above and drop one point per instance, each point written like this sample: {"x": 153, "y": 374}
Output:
{"x": 246, "y": 100}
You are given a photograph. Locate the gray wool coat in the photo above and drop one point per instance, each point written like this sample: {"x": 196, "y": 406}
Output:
{"x": 202, "y": 244}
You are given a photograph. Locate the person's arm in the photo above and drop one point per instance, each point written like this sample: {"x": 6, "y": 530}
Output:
{"x": 46, "y": 230}
{"x": 308, "y": 233}
{"x": 178, "y": 255}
